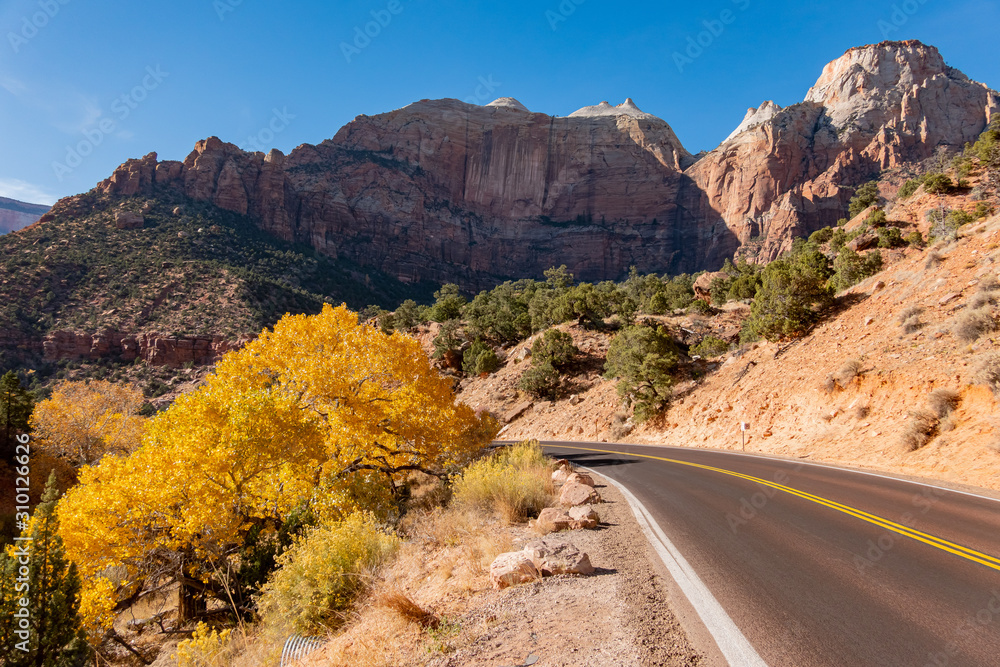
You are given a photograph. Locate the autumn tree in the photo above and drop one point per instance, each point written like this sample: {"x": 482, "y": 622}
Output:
{"x": 286, "y": 421}
{"x": 83, "y": 421}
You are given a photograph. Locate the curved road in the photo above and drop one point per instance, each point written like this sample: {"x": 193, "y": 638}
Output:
{"x": 817, "y": 565}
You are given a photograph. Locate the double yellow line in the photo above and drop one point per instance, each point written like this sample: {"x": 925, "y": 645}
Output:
{"x": 937, "y": 542}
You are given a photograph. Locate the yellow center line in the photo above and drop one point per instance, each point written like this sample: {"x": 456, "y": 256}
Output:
{"x": 937, "y": 542}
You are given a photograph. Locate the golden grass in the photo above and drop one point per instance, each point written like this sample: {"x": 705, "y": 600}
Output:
{"x": 514, "y": 482}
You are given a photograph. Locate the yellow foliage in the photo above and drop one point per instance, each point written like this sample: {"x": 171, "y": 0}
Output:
{"x": 322, "y": 572}
{"x": 84, "y": 421}
{"x": 317, "y": 409}
{"x": 513, "y": 481}
{"x": 203, "y": 649}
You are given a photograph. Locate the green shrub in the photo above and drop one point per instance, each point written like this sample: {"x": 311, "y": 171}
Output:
{"x": 789, "y": 298}
{"x": 480, "y": 358}
{"x": 890, "y": 237}
{"x": 554, "y": 347}
{"x": 821, "y": 236}
{"x": 449, "y": 339}
{"x": 514, "y": 482}
{"x": 909, "y": 187}
{"x": 322, "y": 573}
{"x": 710, "y": 346}
{"x": 406, "y": 316}
{"x": 851, "y": 268}
{"x": 643, "y": 358}
{"x": 983, "y": 210}
{"x": 448, "y": 304}
{"x": 864, "y": 196}
{"x": 915, "y": 239}
{"x": 876, "y": 219}
{"x": 699, "y": 307}
{"x": 502, "y": 314}
{"x": 937, "y": 184}
{"x": 658, "y": 304}
{"x": 541, "y": 381}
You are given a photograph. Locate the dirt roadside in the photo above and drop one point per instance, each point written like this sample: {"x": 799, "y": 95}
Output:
{"x": 622, "y": 615}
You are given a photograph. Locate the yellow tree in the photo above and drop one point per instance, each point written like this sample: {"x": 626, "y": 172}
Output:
{"x": 83, "y": 421}
{"x": 280, "y": 422}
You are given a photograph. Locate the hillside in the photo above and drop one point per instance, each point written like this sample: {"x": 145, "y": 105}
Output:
{"x": 16, "y": 215}
{"x": 168, "y": 280}
{"x": 895, "y": 376}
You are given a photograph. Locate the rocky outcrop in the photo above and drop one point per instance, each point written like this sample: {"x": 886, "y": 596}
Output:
{"x": 786, "y": 175}
{"x": 155, "y": 349}
{"x": 442, "y": 190}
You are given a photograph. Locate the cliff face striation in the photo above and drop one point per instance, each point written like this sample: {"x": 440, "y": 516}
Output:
{"x": 443, "y": 191}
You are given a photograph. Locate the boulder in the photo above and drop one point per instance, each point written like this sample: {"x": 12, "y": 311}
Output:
{"x": 863, "y": 242}
{"x": 129, "y": 220}
{"x": 575, "y": 493}
{"x": 560, "y": 475}
{"x": 581, "y": 478}
{"x": 510, "y": 569}
{"x": 551, "y": 520}
{"x": 551, "y": 558}
{"x": 583, "y": 516}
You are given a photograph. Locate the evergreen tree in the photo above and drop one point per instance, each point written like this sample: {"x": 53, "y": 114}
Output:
{"x": 16, "y": 405}
{"x": 46, "y": 632}
{"x": 643, "y": 360}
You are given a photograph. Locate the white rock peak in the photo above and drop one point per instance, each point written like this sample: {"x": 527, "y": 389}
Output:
{"x": 509, "y": 102}
{"x": 755, "y": 117}
{"x": 626, "y": 108}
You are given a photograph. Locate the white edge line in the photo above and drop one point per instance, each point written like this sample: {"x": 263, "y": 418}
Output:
{"x": 734, "y": 646}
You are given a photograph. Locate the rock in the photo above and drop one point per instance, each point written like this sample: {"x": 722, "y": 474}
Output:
{"x": 510, "y": 569}
{"x": 560, "y": 475}
{"x": 575, "y": 399}
{"x": 863, "y": 242}
{"x": 517, "y": 411}
{"x": 583, "y": 516}
{"x": 552, "y": 519}
{"x": 948, "y": 298}
{"x": 551, "y": 558}
{"x": 575, "y": 493}
{"x": 522, "y": 354}
{"x": 581, "y": 478}
{"x": 703, "y": 285}
{"x": 129, "y": 220}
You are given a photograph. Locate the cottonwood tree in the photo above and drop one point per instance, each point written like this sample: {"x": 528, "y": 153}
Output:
{"x": 83, "y": 421}
{"x": 303, "y": 408}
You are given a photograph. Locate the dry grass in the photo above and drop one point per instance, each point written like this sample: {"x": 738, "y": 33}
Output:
{"x": 620, "y": 426}
{"x": 987, "y": 371}
{"x": 850, "y": 370}
{"x": 919, "y": 430}
{"x": 403, "y": 604}
{"x": 514, "y": 482}
{"x": 943, "y": 401}
{"x": 982, "y": 299}
{"x": 971, "y": 326}
{"x": 861, "y": 411}
{"x": 933, "y": 259}
{"x": 910, "y": 320}
{"x": 828, "y": 384}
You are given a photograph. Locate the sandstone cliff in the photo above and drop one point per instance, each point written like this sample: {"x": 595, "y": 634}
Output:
{"x": 16, "y": 215}
{"x": 447, "y": 191}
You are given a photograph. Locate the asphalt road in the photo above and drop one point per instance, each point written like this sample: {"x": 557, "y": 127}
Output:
{"x": 819, "y": 565}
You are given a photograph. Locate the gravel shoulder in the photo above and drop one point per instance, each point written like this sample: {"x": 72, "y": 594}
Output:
{"x": 621, "y": 615}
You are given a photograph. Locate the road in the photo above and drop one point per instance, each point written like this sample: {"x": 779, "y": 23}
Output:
{"x": 818, "y": 565}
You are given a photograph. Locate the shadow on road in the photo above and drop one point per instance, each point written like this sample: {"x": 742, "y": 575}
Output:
{"x": 597, "y": 460}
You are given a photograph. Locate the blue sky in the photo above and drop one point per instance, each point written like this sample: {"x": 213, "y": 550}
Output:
{"x": 85, "y": 85}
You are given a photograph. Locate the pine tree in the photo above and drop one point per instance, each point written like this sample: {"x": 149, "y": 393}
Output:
{"x": 53, "y": 636}
{"x": 16, "y": 405}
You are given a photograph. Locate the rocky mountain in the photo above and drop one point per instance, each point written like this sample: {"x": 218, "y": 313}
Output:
{"x": 787, "y": 172}
{"x": 443, "y": 191}
{"x": 16, "y": 215}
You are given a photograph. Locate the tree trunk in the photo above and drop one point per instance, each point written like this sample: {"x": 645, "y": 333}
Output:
{"x": 191, "y": 603}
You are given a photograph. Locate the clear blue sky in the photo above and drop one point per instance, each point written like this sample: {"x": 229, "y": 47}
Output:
{"x": 225, "y": 66}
